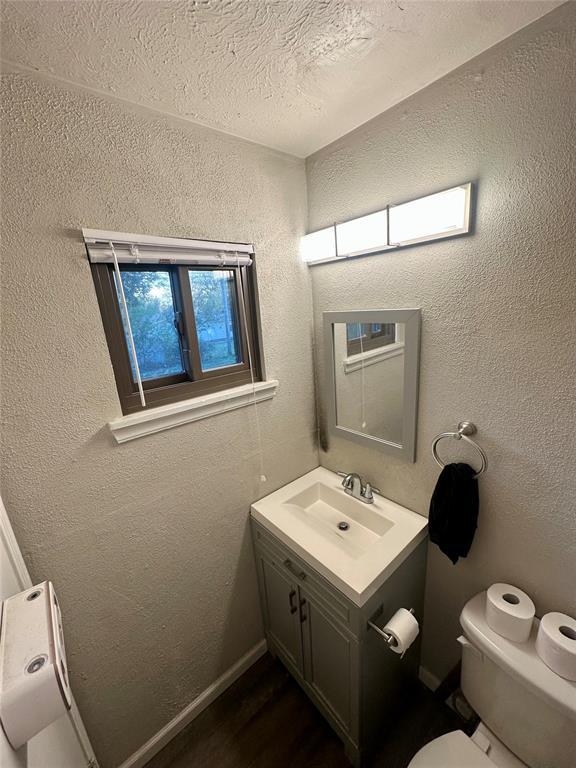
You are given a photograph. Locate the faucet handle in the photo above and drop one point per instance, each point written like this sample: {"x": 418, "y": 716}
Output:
{"x": 347, "y": 482}
{"x": 368, "y": 492}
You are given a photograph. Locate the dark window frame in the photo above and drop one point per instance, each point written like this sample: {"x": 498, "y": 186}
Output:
{"x": 371, "y": 340}
{"x": 193, "y": 382}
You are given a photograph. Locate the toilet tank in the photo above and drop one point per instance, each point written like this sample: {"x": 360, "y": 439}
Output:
{"x": 530, "y": 708}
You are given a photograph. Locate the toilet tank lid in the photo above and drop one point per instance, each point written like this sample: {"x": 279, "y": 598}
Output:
{"x": 520, "y": 660}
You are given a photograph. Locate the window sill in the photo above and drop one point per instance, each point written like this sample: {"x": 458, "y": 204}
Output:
{"x": 372, "y": 356}
{"x": 167, "y": 416}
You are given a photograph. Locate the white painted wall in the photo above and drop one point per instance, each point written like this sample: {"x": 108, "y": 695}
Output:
{"x": 60, "y": 745}
{"x": 498, "y": 318}
{"x": 147, "y": 542}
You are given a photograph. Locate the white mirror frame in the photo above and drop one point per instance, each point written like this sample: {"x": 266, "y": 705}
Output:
{"x": 411, "y": 319}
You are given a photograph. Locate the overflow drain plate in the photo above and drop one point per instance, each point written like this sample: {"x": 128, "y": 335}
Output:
{"x": 343, "y": 526}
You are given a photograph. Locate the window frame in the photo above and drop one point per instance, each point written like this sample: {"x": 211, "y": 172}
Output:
{"x": 373, "y": 340}
{"x": 193, "y": 382}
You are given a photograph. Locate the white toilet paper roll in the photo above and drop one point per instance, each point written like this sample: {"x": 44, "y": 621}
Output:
{"x": 509, "y": 612}
{"x": 556, "y": 644}
{"x": 403, "y": 627}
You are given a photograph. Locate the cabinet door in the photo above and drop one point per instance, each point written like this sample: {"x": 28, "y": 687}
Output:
{"x": 281, "y": 612}
{"x": 330, "y": 661}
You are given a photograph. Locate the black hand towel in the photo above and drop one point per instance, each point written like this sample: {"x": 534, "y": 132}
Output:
{"x": 454, "y": 510}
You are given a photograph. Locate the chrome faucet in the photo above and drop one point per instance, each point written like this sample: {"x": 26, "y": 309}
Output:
{"x": 357, "y": 488}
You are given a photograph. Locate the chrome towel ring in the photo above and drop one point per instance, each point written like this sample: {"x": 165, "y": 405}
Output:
{"x": 465, "y": 428}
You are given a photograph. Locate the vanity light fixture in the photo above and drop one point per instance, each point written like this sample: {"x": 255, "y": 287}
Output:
{"x": 444, "y": 214}
{"x": 368, "y": 234}
{"x": 319, "y": 246}
{"x": 440, "y": 215}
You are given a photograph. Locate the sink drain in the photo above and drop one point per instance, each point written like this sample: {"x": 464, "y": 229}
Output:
{"x": 343, "y": 526}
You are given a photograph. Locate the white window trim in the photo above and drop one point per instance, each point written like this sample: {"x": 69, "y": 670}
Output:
{"x": 372, "y": 356}
{"x": 164, "y": 417}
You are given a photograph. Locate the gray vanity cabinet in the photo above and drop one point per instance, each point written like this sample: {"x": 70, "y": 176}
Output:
{"x": 323, "y": 639}
{"x": 328, "y": 647}
{"x": 282, "y": 612}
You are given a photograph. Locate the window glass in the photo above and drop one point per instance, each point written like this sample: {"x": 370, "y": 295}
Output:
{"x": 364, "y": 336}
{"x": 386, "y": 333}
{"x": 191, "y": 333}
{"x": 370, "y": 330}
{"x": 151, "y": 308}
{"x": 216, "y": 317}
{"x": 354, "y": 331}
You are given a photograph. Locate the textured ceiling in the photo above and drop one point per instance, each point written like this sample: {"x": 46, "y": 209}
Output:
{"x": 290, "y": 74}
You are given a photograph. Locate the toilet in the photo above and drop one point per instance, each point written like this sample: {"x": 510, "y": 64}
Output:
{"x": 527, "y": 712}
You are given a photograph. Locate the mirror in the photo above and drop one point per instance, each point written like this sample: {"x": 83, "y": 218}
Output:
{"x": 372, "y": 371}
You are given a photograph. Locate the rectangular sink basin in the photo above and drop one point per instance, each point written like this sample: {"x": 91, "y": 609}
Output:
{"x": 356, "y": 546}
{"x": 352, "y": 526}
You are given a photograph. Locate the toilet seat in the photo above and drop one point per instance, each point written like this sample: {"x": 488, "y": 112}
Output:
{"x": 453, "y": 750}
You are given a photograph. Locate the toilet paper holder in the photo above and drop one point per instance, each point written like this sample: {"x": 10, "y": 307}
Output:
{"x": 386, "y": 636}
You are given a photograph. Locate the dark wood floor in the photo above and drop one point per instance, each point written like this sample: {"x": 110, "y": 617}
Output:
{"x": 265, "y": 721}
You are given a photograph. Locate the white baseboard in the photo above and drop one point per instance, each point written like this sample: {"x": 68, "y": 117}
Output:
{"x": 147, "y": 751}
{"x": 429, "y": 680}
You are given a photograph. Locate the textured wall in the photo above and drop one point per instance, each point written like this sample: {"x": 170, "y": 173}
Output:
{"x": 498, "y": 318}
{"x": 147, "y": 543}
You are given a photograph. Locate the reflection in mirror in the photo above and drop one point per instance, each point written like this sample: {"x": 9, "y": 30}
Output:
{"x": 372, "y": 373}
{"x": 369, "y": 375}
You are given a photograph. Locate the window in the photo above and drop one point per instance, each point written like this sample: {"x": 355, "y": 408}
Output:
{"x": 194, "y": 327}
{"x": 361, "y": 337}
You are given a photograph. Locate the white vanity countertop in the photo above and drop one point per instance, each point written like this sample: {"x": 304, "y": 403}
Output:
{"x": 305, "y": 514}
